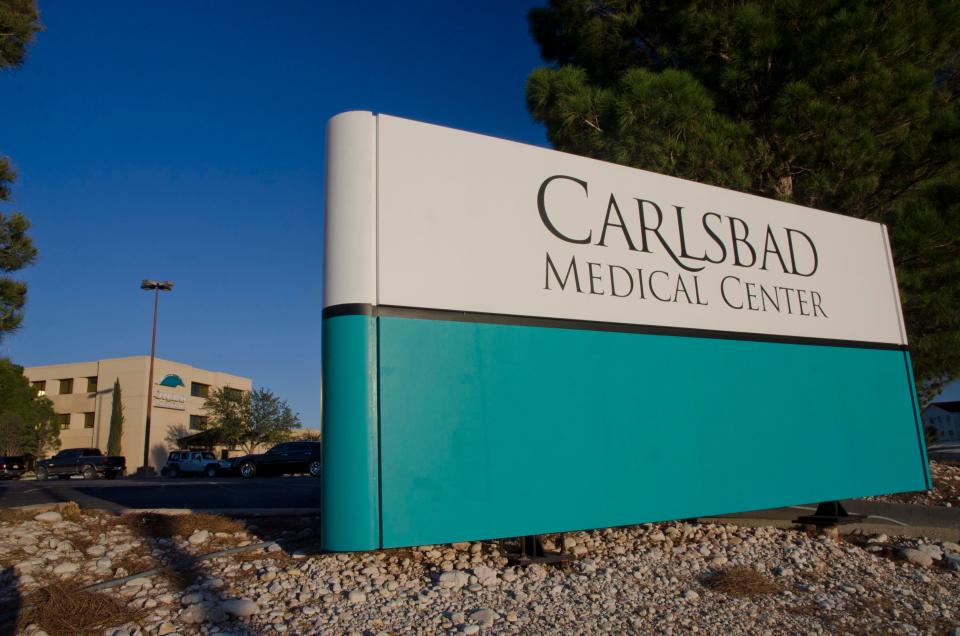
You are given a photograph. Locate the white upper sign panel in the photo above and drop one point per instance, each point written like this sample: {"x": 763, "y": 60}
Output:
{"x": 459, "y": 221}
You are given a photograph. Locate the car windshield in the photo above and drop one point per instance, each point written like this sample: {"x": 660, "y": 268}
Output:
{"x": 209, "y": 456}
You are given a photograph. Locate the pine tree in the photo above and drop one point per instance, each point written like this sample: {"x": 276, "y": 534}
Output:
{"x": 846, "y": 106}
{"x": 116, "y": 421}
{"x": 19, "y": 21}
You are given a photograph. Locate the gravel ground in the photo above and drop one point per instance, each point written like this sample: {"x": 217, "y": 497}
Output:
{"x": 657, "y": 578}
{"x": 946, "y": 488}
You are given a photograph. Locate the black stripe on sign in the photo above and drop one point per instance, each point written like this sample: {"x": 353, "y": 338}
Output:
{"x": 363, "y": 309}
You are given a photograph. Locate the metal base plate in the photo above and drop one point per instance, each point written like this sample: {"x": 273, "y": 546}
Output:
{"x": 531, "y": 551}
{"x": 829, "y": 514}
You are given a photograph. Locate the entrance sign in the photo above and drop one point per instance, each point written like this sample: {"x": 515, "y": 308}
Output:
{"x": 521, "y": 341}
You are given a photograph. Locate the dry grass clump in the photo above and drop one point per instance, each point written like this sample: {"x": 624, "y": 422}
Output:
{"x": 63, "y": 610}
{"x": 741, "y": 581}
{"x": 71, "y": 511}
{"x": 160, "y": 526}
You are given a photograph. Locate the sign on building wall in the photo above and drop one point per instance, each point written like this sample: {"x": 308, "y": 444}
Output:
{"x": 167, "y": 400}
{"x": 520, "y": 341}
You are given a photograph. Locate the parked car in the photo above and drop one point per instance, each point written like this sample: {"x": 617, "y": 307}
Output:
{"x": 283, "y": 459}
{"x": 11, "y": 466}
{"x": 88, "y": 462}
{"x": 194, "y": 463}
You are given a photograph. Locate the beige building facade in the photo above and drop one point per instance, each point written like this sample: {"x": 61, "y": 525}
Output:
{"x": 82, "y": 396}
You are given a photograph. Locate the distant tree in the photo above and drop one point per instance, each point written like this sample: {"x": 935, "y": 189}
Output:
{"x": 228, "y": 411}
{"x": 250, "y": 419}
{"x": 850, "y": 106}
{"x": 271, "y": 419}
{"x": 116, "y": 421}
{"x": 14, "y": 434}
{"x": 28, "y": 424}
{"x": 19, "y": 21}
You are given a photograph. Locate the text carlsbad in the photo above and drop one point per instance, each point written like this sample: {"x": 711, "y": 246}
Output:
{"x": 644, "y": 226}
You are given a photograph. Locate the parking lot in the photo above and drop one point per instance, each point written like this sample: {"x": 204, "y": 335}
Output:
{"x": 221, "y": 493}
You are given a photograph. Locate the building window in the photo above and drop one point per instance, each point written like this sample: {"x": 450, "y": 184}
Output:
{"x": 198, "y": 422}
{"x": 232, "y": 394}
{"x": 64, "y": 420}
{"x": 41, "y": 387}
{"x": 88, "y": 420}
{"x": 199, "y": 390}
{"x": 92, "y": 385}
{"x": 66, "y": 387}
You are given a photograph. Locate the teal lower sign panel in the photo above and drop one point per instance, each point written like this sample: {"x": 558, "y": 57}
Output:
{"x": 482, "y": 431}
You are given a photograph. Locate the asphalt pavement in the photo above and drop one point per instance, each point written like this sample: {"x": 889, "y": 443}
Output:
{"x": 297, "y": 495}
{"x": 131, "y": 493}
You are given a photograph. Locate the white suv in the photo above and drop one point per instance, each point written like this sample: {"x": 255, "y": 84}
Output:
{"x": 194, "y": 463}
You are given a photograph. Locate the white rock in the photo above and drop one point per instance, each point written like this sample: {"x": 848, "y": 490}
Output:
{"x": 68, "y": 567}
{"x": 194, "y": 614}
{"x": 165, "y": 628}
{"x": 51, "y": 516}
{"x": 199, "y": 537}
{"x": 917, "y": 557}
{"x": 471, "y": 629}
{"x": 485, "y": 575}
{"x": 454, "y": 579}
{"x": 356, "y": 596}
{"x": 933, "y": 550}
{"x": 241, "y": 607}
{"x": 191, "y": 599}
{"x": 485, "y": 616}
{"x": 96, "y": 550}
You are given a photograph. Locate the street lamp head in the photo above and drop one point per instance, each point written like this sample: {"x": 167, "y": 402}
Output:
{"x": 162, "y": 285}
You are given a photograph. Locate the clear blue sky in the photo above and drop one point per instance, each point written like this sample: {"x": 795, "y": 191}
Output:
{"x": 185, "y": 140}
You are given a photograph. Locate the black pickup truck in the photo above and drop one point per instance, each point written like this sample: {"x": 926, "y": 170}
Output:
{"x": 87, "y": 462}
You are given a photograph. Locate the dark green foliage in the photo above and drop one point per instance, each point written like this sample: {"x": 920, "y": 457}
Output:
{"x": 845, "y": 106}
{"x": 27, "y": 422}
{"x": 19, "y": 22}
{"x": 925, "y": 231}
{"x": 16, "y": 251}
{"x": 116, "y": 422}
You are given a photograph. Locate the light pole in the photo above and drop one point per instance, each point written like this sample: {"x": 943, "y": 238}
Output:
{"x": 157, "y": 286}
